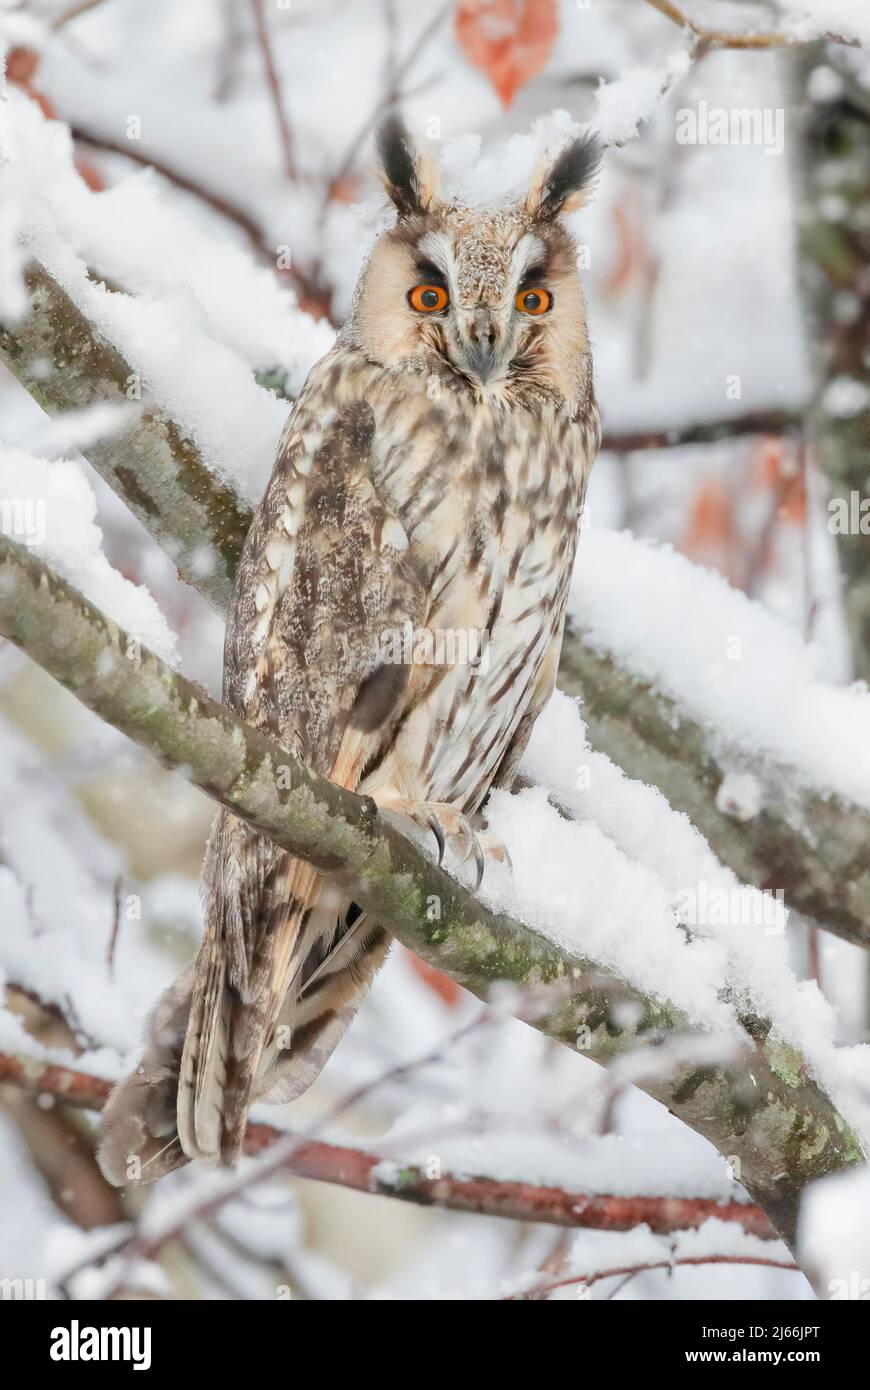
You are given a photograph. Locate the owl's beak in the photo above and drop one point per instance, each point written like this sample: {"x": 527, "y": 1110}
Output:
{"x": 481, "y": 347}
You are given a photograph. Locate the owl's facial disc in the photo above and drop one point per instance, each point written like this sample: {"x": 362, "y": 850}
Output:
{"x": 493, "y": 298}
{"x": 478, "y": 296}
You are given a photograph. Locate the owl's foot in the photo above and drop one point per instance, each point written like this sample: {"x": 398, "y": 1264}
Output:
{"x": 493, "y": 848}
{"x": 449, "y": 826}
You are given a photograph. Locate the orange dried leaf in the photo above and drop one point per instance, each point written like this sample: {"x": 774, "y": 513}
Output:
{"x": 21, "y": 66}
{"x": 711, "y": 519}
{"x": 767, "y": 464}
{"x": 447, "y": 990}
{"x": 345, "y": 190}
{"x": 90, "y": 174}
{"x": 794, "y": 504}
{"x": 510, "y": 40}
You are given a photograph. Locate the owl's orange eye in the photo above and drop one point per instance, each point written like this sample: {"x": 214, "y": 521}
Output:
{"x": 536, "y": 301}
{"x": 428, "y": 299}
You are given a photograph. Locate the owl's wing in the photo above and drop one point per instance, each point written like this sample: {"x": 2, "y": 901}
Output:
{"x": 507, "y": 769}
{"x": 284, "y": 961}
{"x": 324, "y": 576}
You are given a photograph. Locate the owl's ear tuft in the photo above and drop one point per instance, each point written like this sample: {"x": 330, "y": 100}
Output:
{"x": 408, "y": 177}
{"x": 567, "y": 184}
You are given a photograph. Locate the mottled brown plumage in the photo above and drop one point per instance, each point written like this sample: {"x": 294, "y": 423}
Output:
{"x": 430, "y": 479}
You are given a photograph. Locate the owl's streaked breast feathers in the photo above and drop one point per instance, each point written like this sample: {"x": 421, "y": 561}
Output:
{"x": 430, "y": 478}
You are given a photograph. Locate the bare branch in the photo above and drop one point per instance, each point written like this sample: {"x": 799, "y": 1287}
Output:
{"x": 73, "y": 12}
{"x": 407, "y": 1182}
{"x": 702, "y": 431}
{"x": 724, "y": 38}
{"x": 587, "y": 1280}
{"x": 274, "y": 87}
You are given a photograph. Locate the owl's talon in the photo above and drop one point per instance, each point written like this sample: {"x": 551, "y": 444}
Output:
{"x": 434, "y": 825}
{"x": 479, "y": 862}
{"x": 448, "y": 824}
{"x": 494, "y": 849}
{"x": 474, "y": 848}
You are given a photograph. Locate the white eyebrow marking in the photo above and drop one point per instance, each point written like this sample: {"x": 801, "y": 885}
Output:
{"x": 528, "y": 249}
{"x": 436, "y": 248}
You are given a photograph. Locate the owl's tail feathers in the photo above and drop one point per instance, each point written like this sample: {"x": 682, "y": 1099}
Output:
{"x": 284, "y": 965}
{"x": 313, "y": 1019}
{"x": 280, "y": 1043}
{"x": 153, "y": 1122}
{"x": 289, "y": 928}
{"x": 139, "y": 1141}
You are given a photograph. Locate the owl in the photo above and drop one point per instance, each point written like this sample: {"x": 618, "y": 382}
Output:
{"x": 395, "y": 623}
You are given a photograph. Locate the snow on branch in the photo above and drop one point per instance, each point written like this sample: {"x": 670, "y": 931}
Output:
{"x": 368, "y": 1171}
{"x": 158, "y": 471}
{"x": 52, "y": 508}
{"x": 722, "y": 709}
{"x": 737, "y": 1081}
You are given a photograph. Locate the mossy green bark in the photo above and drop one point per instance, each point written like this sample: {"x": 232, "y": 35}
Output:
{"x": 834, "y": 244}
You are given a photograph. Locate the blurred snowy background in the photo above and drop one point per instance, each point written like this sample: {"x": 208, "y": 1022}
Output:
{"x": 226, "y": 158}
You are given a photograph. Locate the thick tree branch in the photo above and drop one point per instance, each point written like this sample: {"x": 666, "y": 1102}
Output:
{"x": 816, "y": 850}
{"x": 764, "y": 1110}
{"x": 198, "y": 521}
{"x": 359, "y": 1169}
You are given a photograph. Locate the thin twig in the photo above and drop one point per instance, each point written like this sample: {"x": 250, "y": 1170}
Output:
{"x": 116, "y": 923}
{"x": 775, "y": 422}
{"x": 274, "y": 87}
{"x": 724, "y": 38}
{"x": 392, "y": 95}
{"x": 539, "y": 1290}
{"x": 73, "y": 13}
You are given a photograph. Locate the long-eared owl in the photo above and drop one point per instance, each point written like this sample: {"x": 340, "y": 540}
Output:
{"x": 396, "y": 623}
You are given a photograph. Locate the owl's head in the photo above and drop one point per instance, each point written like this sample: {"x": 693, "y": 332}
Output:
{"x": 491, "y": 296}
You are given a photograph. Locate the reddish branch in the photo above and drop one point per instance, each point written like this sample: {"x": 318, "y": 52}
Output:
{"x": 368, "y": 1172}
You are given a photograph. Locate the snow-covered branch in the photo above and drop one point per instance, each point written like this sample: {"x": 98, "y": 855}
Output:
{"x": 750, "y": 1093}
{"x": 806, "y": 843}
{"x": 160, "y": 474}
